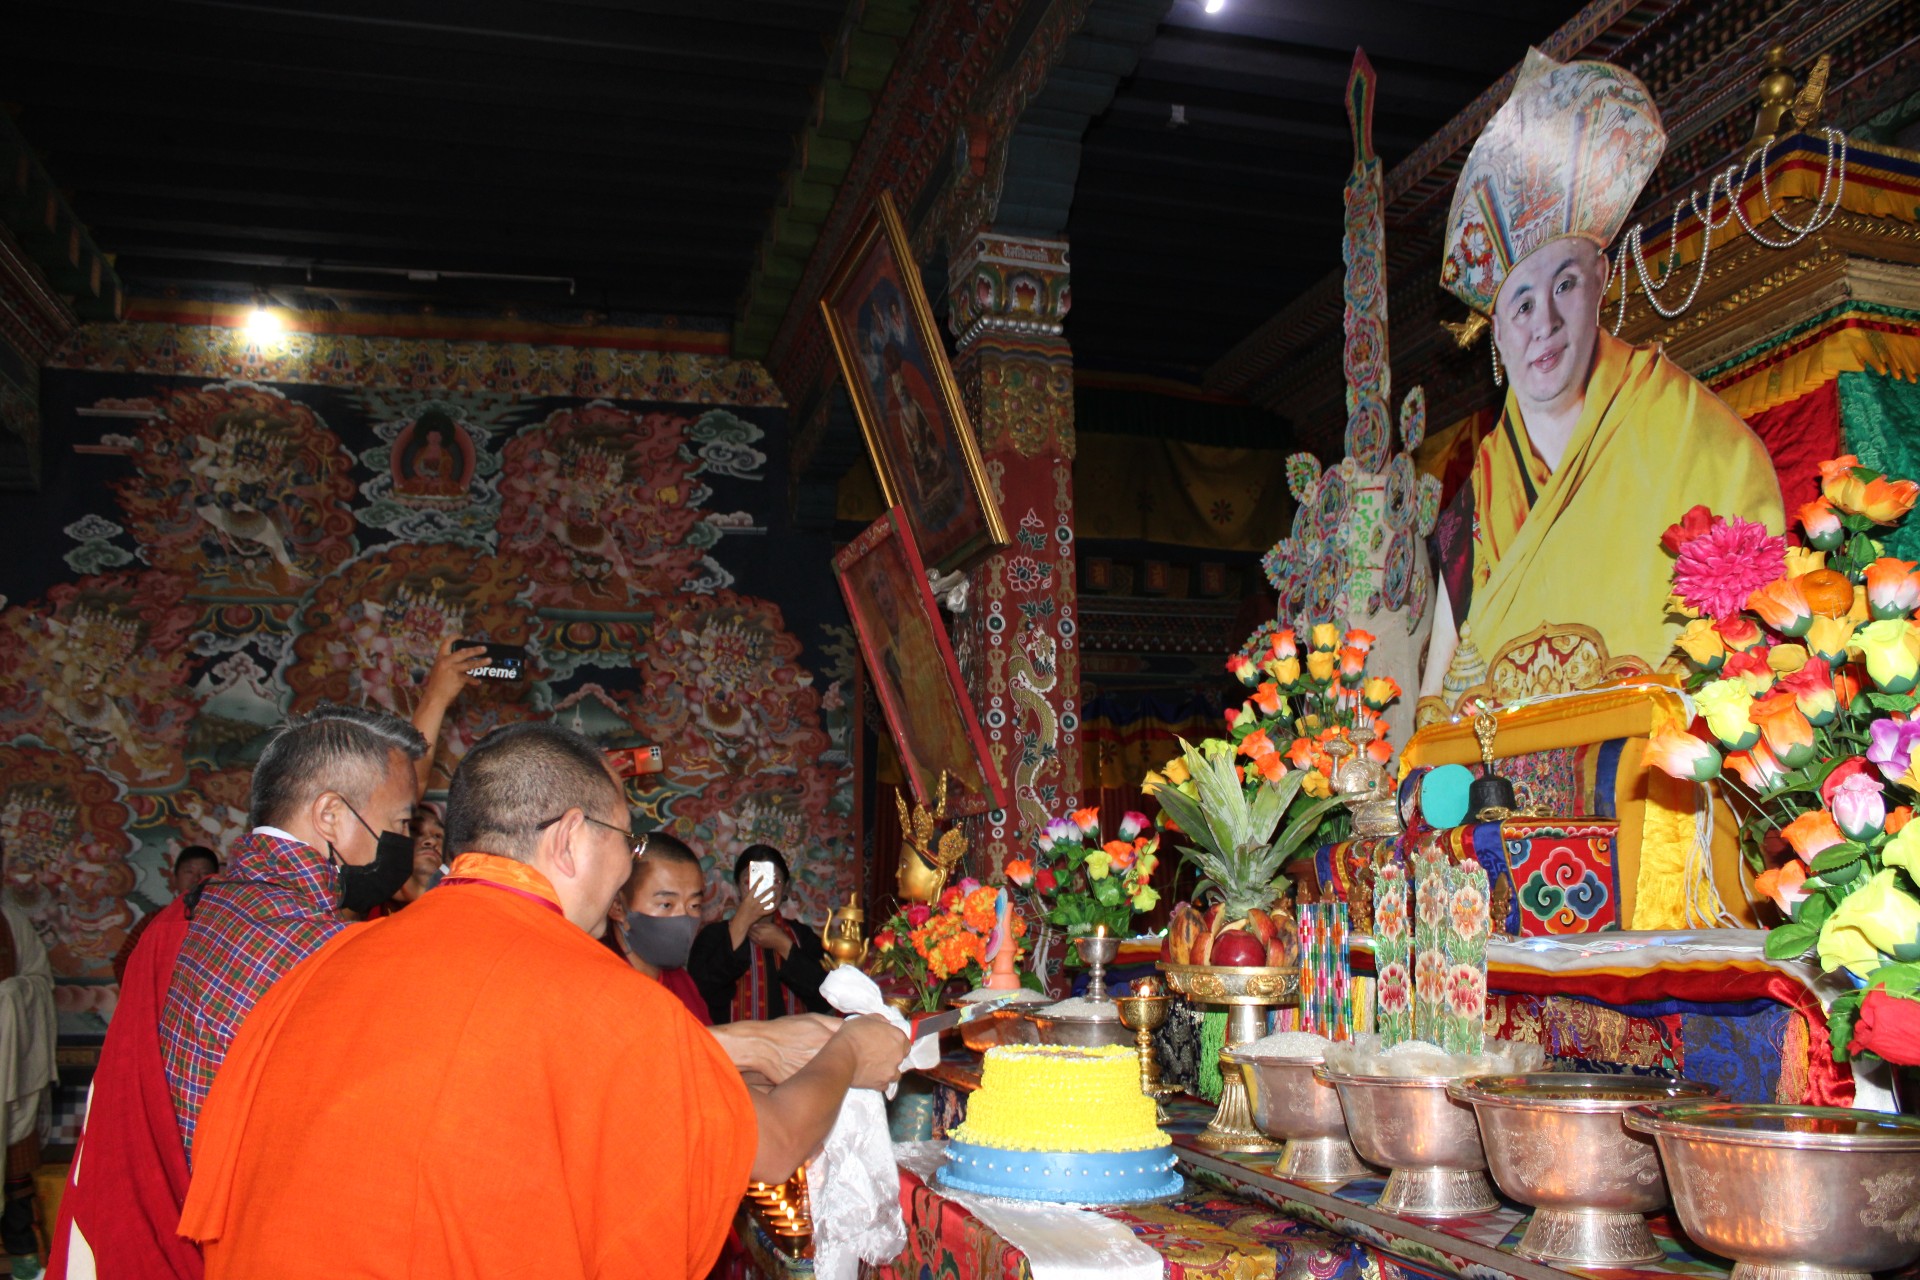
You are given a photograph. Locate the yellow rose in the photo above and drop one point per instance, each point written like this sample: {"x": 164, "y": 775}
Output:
{"x": 1787, "y": 658}
{"x": 1326, "y": 636}
{"x": 1874, "y": 921}
{"x": 1321, "y": 663}
{"x": 1285, "y": 671}
{"x": 1829, "y": 638}
{"x": 1702, "y": 644}
{"x": 1316, "y": 785}
{"x": 1680, "y": 608}
{"x": 1804, "y": 560}
{"x": 1098, "y": 864}
{"x": 1904, "y": 850}
{"x": 1727, "y": 705}
{"x": 1892, "y": 651}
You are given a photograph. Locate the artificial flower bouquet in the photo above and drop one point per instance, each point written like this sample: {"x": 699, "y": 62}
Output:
{"x": 1076, "y": 880}
{"x": 1806, "y": 661}
{"x": 1303, "y": 702}
{"x": 929, "y": 946}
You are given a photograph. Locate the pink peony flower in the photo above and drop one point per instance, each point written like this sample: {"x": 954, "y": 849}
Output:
{"x": 1717, "y": 570}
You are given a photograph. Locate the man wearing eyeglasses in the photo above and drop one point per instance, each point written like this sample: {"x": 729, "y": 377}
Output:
{"x": 479, "y": 1088}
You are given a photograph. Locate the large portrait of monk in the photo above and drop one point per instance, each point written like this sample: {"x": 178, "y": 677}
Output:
{"x": 911, "y": 664}
{"x": 903, "y": 392}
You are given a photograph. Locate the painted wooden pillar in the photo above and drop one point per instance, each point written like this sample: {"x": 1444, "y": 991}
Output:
{"x": 1019, "y": 637}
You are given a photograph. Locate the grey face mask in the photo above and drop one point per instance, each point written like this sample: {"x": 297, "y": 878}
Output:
{"x": 664, "y": 942}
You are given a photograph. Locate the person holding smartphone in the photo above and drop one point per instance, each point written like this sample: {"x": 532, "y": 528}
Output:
{"x": 755, "y": 965}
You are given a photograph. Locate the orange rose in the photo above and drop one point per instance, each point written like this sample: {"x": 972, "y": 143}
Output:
{"x": 1812, "y": 832}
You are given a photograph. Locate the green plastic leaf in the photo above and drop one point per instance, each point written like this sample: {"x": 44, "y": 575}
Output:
{"x": 1813, "y": 910}
{"x": 1790, "y": 941}
{"x": 1901, "y": 979}
{"x": 1840, "y": 855}
{"x": 1892, "y": 701}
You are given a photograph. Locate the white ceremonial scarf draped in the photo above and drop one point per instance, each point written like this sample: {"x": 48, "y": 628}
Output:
{"x": 1060, "y": 1241}
{"x": 29, "y": 1027}
{"x": 853, "y": 1183}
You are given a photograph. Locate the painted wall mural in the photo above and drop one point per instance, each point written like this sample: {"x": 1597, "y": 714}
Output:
{"x": 210, "y": 554}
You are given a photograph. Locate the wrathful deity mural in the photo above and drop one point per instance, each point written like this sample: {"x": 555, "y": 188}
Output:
{"x": 219, "y": 554}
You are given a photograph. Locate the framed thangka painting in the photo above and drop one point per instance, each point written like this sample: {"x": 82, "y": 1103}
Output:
{"x": 904, "y": 394}
{"x": 912, "y": 669}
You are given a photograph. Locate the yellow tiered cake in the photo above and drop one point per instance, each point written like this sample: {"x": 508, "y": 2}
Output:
{"x": 1056, "y": 1122}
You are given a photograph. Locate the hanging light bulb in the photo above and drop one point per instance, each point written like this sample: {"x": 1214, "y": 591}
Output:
{"x": 1215, "y": 6}
{"x": 263, "y": 325}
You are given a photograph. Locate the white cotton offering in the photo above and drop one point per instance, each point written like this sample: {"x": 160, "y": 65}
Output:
{"x": 1416, "y": 1059}
{"x": 1287, "y": 1044}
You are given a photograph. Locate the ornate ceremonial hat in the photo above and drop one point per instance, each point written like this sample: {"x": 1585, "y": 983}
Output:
{"x": 1566, "y": 156}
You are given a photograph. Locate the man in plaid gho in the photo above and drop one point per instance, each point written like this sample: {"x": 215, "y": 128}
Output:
{"x": 332, "y": 798}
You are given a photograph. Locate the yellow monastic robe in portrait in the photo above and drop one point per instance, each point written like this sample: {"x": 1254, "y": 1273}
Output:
{"x": 1581, "y": 544}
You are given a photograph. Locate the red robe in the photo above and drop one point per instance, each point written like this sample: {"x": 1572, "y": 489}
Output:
{"x": 129, "y": 1173}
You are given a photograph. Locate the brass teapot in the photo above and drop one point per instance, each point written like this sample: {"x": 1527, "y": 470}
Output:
{"x": 844, "y": 935}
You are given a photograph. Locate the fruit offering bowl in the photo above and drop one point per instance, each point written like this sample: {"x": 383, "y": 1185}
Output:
{"x": 1247, "y": 993}
{"x": 1289, "y": 1103}
{"x": 1410, "y": 1125}
{"x": 1811, "y": 1193}
{"x": 1555, "y": 1141}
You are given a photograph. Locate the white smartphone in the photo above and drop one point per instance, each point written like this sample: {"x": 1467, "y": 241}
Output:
{"x": 760, "y": 881}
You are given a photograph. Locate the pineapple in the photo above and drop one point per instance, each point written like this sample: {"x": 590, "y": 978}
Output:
{"x": 1238, "y": 855}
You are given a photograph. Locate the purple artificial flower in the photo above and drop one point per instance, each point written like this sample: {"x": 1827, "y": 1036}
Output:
{"x": 1892, "y": 745}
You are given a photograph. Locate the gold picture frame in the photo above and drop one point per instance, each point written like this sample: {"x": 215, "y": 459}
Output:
{"x": 904, "y": 394}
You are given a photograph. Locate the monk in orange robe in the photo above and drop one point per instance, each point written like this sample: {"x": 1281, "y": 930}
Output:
{"x": 475, "y": 1087}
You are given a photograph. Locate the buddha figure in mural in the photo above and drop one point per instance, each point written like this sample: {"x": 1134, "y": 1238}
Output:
{"x": 1551, "y": 553}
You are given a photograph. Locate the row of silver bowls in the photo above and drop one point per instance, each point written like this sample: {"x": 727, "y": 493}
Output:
{"x": 1808, "y": 1192}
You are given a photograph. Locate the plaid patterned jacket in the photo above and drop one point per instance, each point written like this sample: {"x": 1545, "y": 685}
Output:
{"x": 270, "y": 907}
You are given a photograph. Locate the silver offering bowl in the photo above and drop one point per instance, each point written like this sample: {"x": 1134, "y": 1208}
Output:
{"x": 1087, "y": 1030}
{"x": 1247, "y": 992}
{"x": 1555, "y": 1141}
{"x": 1792, "y": 1193}
{"x": 1290, "y": 1104}
{"x": 1408, "y": 1124}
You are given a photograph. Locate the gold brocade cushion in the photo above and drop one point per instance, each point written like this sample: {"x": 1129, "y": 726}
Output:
{"x": 1678, "y": 861}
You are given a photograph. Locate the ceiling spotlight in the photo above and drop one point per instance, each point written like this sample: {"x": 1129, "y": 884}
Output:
{"x": 264, "y": 326}
{"x": 1215, "y": 6}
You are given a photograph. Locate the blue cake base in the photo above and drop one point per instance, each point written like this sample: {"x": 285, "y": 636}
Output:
{"x": 1070, "y": 1177}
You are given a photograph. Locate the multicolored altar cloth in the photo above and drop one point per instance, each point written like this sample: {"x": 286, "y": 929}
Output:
{"x": 1203, "y": 1233}
{"x": 1655, "y": 996}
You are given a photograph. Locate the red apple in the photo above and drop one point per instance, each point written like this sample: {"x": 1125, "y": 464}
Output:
{"x": 1260, "y": 925}
{"x": 1276, "y": 954}
{"x": 1202, "y": 948}
{"x": 1238, "y": 947}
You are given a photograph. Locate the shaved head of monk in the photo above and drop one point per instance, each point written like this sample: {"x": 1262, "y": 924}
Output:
{"x": 542, "y": 795}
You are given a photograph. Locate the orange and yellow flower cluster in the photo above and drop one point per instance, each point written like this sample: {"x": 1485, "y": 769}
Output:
{"x": 1303, "y": 701}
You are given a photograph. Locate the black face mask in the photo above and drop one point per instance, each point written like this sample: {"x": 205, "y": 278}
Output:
{"x": 664, "y": 942}
{"x": 365, "y": 887}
